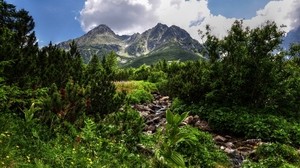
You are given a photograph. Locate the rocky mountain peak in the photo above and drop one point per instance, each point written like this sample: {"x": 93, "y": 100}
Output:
{"x": 160, "y": 38}
{"x": 101, "y": 29}
{"x": 177, "y": 32}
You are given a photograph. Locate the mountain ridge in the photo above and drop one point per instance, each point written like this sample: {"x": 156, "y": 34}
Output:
{"x": 102, "y": 40}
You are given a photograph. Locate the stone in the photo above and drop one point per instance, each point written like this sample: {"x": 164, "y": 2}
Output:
{"x": 144, "y": 114}
{"x": 219, "y": 138}
{"x": 229, "y": 144}
{"x": 161, "y": 110}
{"x": 154, "y": 120}
{"x": 189, "y": 120}
{"x": 196, "y": 118}
{"x": 253, "y": 141}
{"x": 203, "y": 125}
{"x": 142, "y": 107}
{"x": 151, "y": 128}
{"x": 244, "y": 149}
{"x": 229, "y": 150}
{"x": 228, "y": 137}
{"x": 155, "y": 107}
{"x": 165, "y": 98}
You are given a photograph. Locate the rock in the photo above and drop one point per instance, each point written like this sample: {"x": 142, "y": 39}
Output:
{"x": 162, "y": 122}
{"x": 165, "y": 98}
{"x": 196, "y": 119}
{"x": 253, "y": 141}
{"x": 150, "y": 128}
{"x": 154, "y": 120}
{"x": 229, "y": 150}
{"x": 154, "y": 107}
{"x": 244, "y": 149}
{"x": 142, "y": 108}
{"x": 229, "y": 144}
{"x": 189, "y": 120}
{"x": 183, "y": 123}
{"x": 228, "y": 137}
{"x": 203, "y": 125}
{"x": 247, "y": 153}
{"x": 144, "y": 114}
{"x": 237, "y": 160}
{"x": 162, "y": 110}
{"x": 219, "y": 138}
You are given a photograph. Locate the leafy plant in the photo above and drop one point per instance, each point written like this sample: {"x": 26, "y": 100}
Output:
{"x": 274, "y": 155}
{"x": 139, "y": 96}
{"x": 172, "y": 136}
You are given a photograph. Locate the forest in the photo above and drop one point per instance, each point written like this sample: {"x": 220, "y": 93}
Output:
{"x": 56, "y": 111}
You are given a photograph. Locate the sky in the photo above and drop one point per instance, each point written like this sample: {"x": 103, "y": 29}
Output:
{"x": 61, "y": 20}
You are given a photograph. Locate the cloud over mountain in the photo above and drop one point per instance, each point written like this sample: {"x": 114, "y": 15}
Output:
{"x": 130, "y": 16}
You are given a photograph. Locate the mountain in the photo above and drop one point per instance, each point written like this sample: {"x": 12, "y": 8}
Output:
{"x": 292, "y": 37}
{"x": 159, "y": 42}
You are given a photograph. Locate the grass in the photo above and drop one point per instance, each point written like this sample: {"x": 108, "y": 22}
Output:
{"x": 130, "y": 86}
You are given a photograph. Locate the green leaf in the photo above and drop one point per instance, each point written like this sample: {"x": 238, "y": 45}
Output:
{"x": 169, "y": 117}
{"x": 176, "y": 159}
{"x": 183, "y": 116}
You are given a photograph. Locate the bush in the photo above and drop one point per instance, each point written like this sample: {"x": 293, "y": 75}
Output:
{"x": 274, "y": 155}
{"x": 125, "y": 127}
{"x": 157, "y": 76}
{"x": 139, "y": 96}
{"x": 244, "y": 122}
{"x": 202, "y": 153}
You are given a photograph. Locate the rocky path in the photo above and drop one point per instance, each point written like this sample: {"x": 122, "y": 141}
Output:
{"x": 154, "y": 114}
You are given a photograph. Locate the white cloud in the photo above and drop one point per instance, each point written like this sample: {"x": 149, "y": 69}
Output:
{"x": 123, "y": 16}
{"x": 130, "y": 16}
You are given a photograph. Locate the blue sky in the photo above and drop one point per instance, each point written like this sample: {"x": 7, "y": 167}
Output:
{"x": 236, "y": 8}
{"x": 60, "y": 20}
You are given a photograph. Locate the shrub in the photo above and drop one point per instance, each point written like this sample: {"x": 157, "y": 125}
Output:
{"x": 125, "y": 127}
{"x": 275, "y": 155}
{"x": 244, "y": 122}
{"x": 157, "y": 76}
{"x": 202, "y": 153}
{"x": 139, "y": 96}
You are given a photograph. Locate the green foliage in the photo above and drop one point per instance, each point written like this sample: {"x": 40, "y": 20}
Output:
{"x": 57, "y": 112}
{"x": 125, "y": 127}
{"x": 173, "y": 135}
{"x": 139, "y": 96}
{"x": 103, "y": 96}
{"x": 157, "y": 76}
{"x": 29, "y": 113}
{"x": 141, "y": 73}
{"x": 243, "y": 122}
{"x": 274, "y": 155}
{"x": 203, "y": 152}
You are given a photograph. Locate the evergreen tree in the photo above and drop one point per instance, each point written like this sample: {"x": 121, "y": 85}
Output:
{"x": 18, "y": 43}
